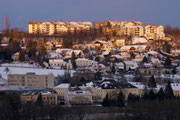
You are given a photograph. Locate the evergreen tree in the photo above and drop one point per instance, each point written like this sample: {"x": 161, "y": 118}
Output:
{"x": 39, "y": 101}
{"x": 98, "y": 76}
{"x": 6, "y": 70}
{"x": 174, "y": 71}
{"x": 152, "y": 82}
{"x": 145, "y": 96}
{"x": 22, "y": 55}
{"x": 151, "y": 95}
{"x": 67, "y": 43}
{"x": 132, "y": 55}
{"x": 167, "y": 63}
{"x": 132, "y": 98}
{"x": 109, "y": 25}
{"x": 16, "y": 106}
{"x": 145, "y": 60}
{"x": 161, "y": 95}
{"x": 73, "y": 58}
{"x": 167, "y": 47}
{"x": 14, "y": 46}
{"x": 106, "y": 101}
{"x": 113, "y": 69}
{"x": 120, "y": 100}
{"x": 168, "y": 91}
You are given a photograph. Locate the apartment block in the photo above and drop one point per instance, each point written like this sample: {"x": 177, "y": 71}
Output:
{"x": 154, "y": 32}
{"x": 39, "y": 27}
{"x": 31, "y": 80}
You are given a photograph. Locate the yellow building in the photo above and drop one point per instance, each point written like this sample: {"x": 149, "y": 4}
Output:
{"x": 154, "y": 32}
{"x": 37, "y": 27}
{"x": 62, "y": 89}
{"x": 131, "y": 31}
{"x": 47, "y": 97}
{"x": 78, "y": 97}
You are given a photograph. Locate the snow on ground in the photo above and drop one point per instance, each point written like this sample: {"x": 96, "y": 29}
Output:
{"x": 24, "y": 70}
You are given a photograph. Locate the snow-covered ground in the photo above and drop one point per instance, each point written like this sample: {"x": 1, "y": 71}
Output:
{"x": 24, "y": 70}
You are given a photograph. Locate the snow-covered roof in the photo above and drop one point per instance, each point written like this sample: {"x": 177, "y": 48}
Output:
{"x": 136, "y": 40}
{"x": 46, "y": 92}
{"x": 4, "y": 45}
{"x": 76, "y": 52}
{"x": 63, "y": 85}
{"x": 129, "y": 62}
{"x": 175, "y": 86}
{"x": 175, "y": 51}
{"x": 82, "y": 59}
{"x": 117, "y": 56}
{"x": 50, "y": 43}
{"x": 63, "y": 50}
{"x": 120, "y": 40}
{"x": 140, "y": 47}
{"x": 56, "y": 60}
{"x": 147, "y": 64}
{"x": 79, "y": 92}
{"x": 137, "y": 59}
{"x": 105, "y": 53}
{"x": 155, "y": 60}
{"x": 55, "y": 55}
{"x": 153, "y": 52}
{"x": 24, "y": 70}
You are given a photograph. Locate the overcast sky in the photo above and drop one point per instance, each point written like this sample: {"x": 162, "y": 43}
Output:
{"x": 20, "y": 12}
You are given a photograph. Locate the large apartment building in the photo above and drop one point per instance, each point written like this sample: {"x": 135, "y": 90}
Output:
{"x": 31, "y": 80}
{"x": 36, "y": 27}
{"x": 134, "y": 28}
{"x": 154, "y": 32}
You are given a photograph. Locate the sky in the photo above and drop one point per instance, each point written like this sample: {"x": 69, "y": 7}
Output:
{"x": 20, "y": 12}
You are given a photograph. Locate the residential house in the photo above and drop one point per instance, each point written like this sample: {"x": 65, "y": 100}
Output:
{"x": 83, "y": 62}
{"x": 56, "y": 62}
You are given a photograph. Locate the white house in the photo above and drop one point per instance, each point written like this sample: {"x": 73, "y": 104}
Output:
{"x": 131, "y": 65}
{"x": 83, "y": 62}
{"x": 56, "y": 62}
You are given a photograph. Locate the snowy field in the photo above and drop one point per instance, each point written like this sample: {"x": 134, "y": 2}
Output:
{"x": 24, "y": 70}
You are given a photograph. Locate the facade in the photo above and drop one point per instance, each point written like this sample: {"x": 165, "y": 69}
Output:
{"x": 84, "y": 75}
{"x": 47, "y": 97}
{"x": 78, "y": 97}
{"x": 39, "y": 27}
{"x": 62, "y": 89}
{"x": 31, "y": 80}
{"x": 94, "y": 91}
{"x": 83, "y": 62}
{"x": 56, "y": 62}
{"x": 154, "y": 32}
{"x": 150, "y": 71}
